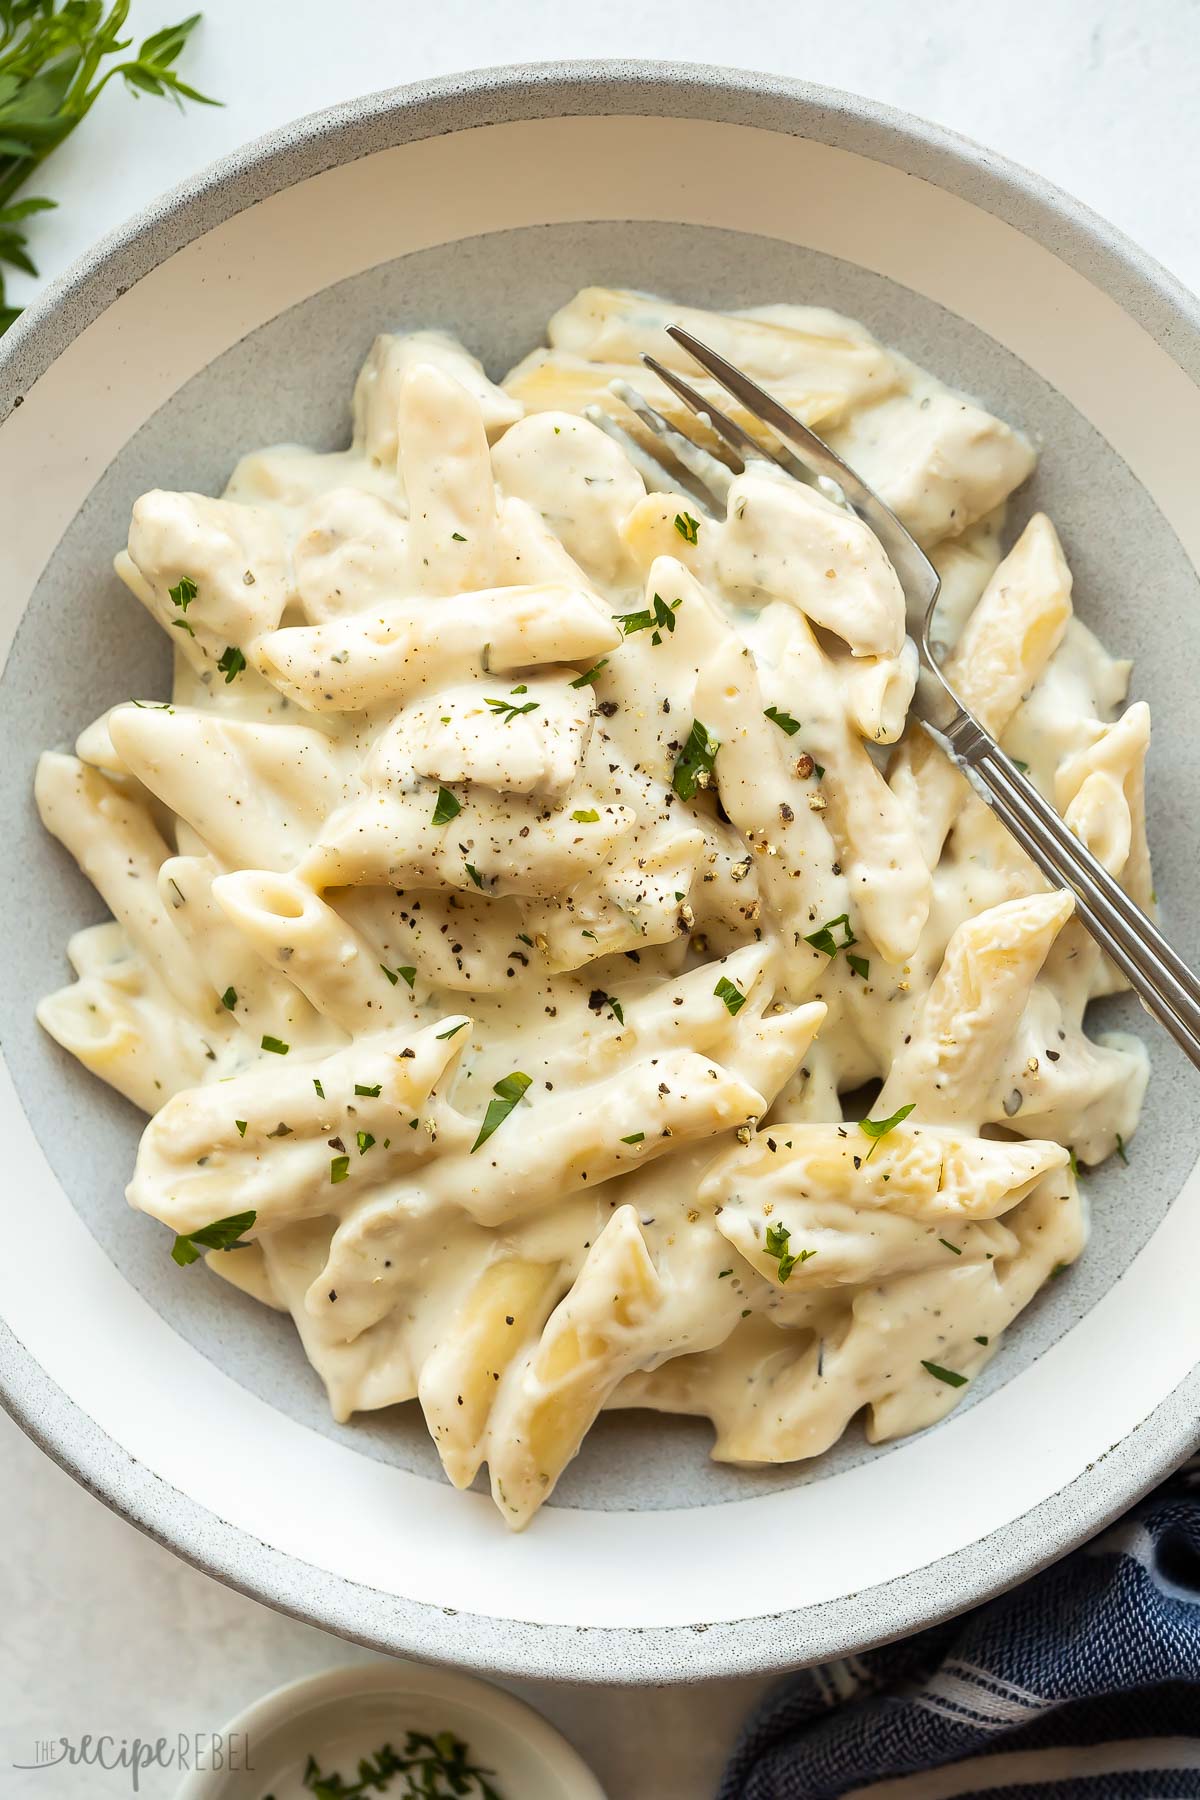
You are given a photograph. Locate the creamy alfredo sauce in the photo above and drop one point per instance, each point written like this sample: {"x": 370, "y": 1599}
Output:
{"x": 532, "y": 856}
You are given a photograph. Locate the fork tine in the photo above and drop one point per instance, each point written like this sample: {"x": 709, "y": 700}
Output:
{"x": 704, "y": 468}
{"x": 918, "y": 577}
{"x": 813, "y": 452}
{"x": 739, "y": 441}
{"x": 656, "y": 475}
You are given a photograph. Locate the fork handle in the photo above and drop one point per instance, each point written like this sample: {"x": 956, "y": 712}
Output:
{"x": 1164, "y": 983}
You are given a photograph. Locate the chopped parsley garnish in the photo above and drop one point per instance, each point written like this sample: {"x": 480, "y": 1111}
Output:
{"x": 1072, "y": 1162}
{"x": 732, "y": 996}
{"x": 276, "y": 1046}
{"x": 777, "y": 1246}
{"x": 590, "y": 934}
{"x": 858, "y": 964}
{"x": 507, "y": 1091}
{"x": 456, "y": 537}
{"x": 949, "y": 1376}
{"x": 408, "y": 976}
{"x": 823, "y": 939}
{"x": 784, "y": 720}
{"x": 339, "y": 1169}
{"x": 590, "y": 675}
{"x": 184, "y": 625}
{"x": 946, "y": 1244}
{"x": 524, "y": 938}
{"x": 723, "y": 1273}
{"x": 473, "y": 872}
{"x": 1018, "y": 764}
{"x": 1121, "y": 1149}
{"x": 222, "y": 1234}
{"x": 981, "y": 1340}
{"x": 184, "y": 592}
{"x": 241, "y": 1127}
{"x": 319, "y": 1088}
{"x": 879, "y": 1128}
{"x": 635, "y": 1137}
{"x": 687, "y": 527}
{"x": 229, "y": 999}
{"x": 364, "y": 1140}
{"x": 694, "y": 764}
{"x": 443, "y": 1035}
{"x": 507, "y": 711}
{"x": 232, "y": 663}
{"x": 586, "y": 815}
{"x": 447, "y": 808}
{"x": 658, "y": 617}
{"x": 369, "y": 1093}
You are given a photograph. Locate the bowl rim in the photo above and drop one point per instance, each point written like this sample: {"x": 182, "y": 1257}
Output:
{"x": 279, "y": 159}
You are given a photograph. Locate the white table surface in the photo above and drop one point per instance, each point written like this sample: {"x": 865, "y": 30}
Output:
{"x": 102, "y": 1630}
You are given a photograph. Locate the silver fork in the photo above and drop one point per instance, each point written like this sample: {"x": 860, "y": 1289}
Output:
{"x": 1158, "y": 975}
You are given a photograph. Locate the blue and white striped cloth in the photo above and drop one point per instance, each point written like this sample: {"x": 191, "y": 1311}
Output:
{"x": 1083, "y": 1684}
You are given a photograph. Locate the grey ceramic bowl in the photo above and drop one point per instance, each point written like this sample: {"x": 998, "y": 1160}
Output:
{"x": 235, "y": 313}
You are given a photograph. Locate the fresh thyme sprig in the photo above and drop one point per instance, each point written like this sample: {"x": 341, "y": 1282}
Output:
{"x": 432, "y": 1765}
{"x": 52, "y": 57}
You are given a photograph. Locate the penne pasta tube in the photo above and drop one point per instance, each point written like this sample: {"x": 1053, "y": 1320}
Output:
{"x": 1005, "y": 646}
{"x": 777, "y": 810}
{"x": 402, "y": 647}
{"x": 292, "y": 929}
{"x": 596, "y": 1333}
{"x": 257, "y": 998}
{"x": 446, "y": 470}
{"x": 504, "y": 1309}
{"x": 262, "y": 1141}
{"x": 118, "y": 1027}
{"x": 256, "y": 794}
{"x": 110, "y": 833}
{"x": 969, "y": 1017}
{"x": 887, "y": 879}
{"x": 587, "y": 1136}
{"x": 380, "y": 380}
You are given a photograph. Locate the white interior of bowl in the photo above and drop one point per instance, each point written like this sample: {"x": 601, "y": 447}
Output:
{"x": 163, "y": 1372}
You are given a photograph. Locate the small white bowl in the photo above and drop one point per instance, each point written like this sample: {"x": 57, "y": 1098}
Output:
{"x": 349, "y": 1713}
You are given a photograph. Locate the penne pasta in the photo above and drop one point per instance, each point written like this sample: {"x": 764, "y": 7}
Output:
{"x": 537, "y": 969}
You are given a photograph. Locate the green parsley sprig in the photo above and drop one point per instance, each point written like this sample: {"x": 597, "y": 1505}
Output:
{"x": 776, "y": 1245}
{"x": 222, "y": 1234}
{"x": 658, "y": 619}
{"x": 879, "y": 1128}
{"x": 951, "y": 1377}
{"x": 784, "y": 720}
{"x": 823, "y": 939}
{"x": 507, "y": 1091}
{"x": 694, "y": 764}
{"x": 508, "y": 710}
{"x": 52, "y": 72}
